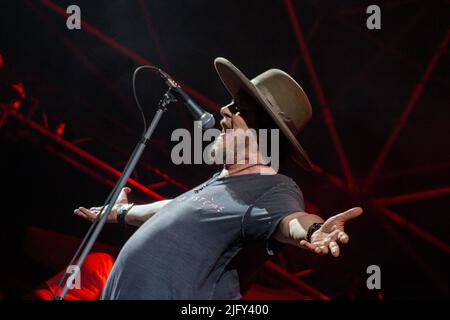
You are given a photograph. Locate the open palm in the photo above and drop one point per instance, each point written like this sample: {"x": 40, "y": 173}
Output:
{"x": 331, "y": 233}
{"x": 92, "y": 213}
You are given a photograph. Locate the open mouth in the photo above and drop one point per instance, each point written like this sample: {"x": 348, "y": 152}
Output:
{"x": 225, "y": 128}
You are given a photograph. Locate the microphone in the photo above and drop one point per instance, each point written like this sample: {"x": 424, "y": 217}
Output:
{"x": 198, "y": 112}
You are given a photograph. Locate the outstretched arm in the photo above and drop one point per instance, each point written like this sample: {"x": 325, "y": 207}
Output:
{"x": 136, "y": 216}
{"x": 141, "y": 213}
{"x": 293, "y": 229}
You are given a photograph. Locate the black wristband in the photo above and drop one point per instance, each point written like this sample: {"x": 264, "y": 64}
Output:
{"x": 123, "y": 212}
{"x": 312, "y": 228}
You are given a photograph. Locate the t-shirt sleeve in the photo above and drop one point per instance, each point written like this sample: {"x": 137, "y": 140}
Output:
{"x": 263, "y": 217}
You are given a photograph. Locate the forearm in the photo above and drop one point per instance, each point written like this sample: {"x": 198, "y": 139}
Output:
{"x": 138, "y": 214}
{"x": 294, "y": 227}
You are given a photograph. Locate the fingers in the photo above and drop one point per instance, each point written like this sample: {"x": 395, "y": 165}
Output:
{"x": 96, "y": 210}
{"x": 342, "y": 237}
{"x": 123, "y": 196}
{"x": 92, "y": 215}
{"x": 334, "y": 248}
{"x": 125, "y": 191}
{"x": 332, "y": 243}
{"x": 350, "y": 214}
{"x": 328, "y": 245}
{"x": 324, "y": 247}
{"x": 85, "y": 213}
{"x": 321, "y": 250}
{"x": 306, "y": 245}
{"x": 79, "y": 213}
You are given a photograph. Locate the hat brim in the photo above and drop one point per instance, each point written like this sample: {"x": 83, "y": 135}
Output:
{"x": 234, "y": 81}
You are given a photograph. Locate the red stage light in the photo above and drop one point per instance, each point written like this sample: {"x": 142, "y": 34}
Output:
{"x": 61, "y": 128}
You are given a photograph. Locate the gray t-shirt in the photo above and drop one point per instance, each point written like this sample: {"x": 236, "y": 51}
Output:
{"x": 193, "y": 247}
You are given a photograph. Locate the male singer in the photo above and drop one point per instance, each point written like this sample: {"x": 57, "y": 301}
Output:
{"x": 207, "y": 242}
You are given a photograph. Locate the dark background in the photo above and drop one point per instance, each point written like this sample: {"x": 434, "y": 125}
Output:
{"x": 82, "y": 79}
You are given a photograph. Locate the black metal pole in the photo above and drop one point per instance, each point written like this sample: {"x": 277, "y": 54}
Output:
{"x": 128, "y": 170}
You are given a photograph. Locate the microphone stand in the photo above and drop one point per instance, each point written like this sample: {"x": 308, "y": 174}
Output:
{"x": 97, "y": 226}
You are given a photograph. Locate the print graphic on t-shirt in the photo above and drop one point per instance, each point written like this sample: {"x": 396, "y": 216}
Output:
{"x": 207, "y": 203}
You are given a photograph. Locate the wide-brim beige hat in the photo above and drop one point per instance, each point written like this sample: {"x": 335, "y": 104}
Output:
{"x": 279, "y": 95}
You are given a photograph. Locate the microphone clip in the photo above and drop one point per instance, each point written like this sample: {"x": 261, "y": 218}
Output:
{"x": 167, "y": 99}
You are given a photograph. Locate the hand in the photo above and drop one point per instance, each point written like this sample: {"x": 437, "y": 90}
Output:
{"x": 92, "y": 213}
{"x": 331, "y": 233}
